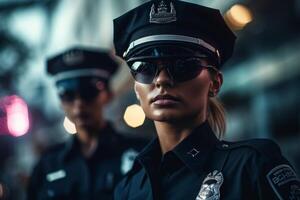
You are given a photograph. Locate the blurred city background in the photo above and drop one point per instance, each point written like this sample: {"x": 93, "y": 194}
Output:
{"x": 261, "y": 90}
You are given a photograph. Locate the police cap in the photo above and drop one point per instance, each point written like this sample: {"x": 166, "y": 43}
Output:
{"x": 81, "y": 62}
{"x": 173, "y": 23}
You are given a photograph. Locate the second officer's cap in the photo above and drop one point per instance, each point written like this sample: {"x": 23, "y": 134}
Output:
{"x": 173, "y": 22}
{"x": 82, "y": 62}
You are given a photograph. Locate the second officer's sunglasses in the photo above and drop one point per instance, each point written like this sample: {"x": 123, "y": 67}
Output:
{"x": 179, "y": 69}
{"x": 86, "y": 90}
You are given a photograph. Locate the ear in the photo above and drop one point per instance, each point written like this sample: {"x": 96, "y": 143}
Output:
{"x": 136, "y": 92}
{"x": 216, "y": 83}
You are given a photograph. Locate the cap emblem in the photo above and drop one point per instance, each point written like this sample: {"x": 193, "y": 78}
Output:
{"x": 162, "y": 16}
{"x": 73, "y": 57}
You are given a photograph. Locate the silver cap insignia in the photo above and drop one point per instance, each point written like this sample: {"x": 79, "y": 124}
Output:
{"x": 162, "y": 16}
{"x": 73, "y": 57}
{"x": 210, "y": 189}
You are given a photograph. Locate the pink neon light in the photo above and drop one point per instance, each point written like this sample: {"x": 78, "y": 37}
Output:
{"x": 17, "y": 116}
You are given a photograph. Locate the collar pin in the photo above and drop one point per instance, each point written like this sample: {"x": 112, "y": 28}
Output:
{"x": 193, "y": 152}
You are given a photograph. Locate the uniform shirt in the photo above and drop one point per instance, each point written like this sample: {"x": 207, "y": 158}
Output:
{"x": 64, "y": 174}
{"x": 202, "y": 167}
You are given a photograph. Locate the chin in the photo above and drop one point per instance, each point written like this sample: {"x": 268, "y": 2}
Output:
{"x": 173, "y": 116}
{"x": 166, "y": 117}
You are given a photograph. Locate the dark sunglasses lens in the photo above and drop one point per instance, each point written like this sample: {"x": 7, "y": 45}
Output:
{"x": 67, "y": 95}
{"x": 143, "y": 72}
{"x": 88, "y": 94}
{"x": 186, "y": 69}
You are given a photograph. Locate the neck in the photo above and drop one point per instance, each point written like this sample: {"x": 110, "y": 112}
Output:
{"x": 171, "y": 134}
{"x": 89, "y": 140}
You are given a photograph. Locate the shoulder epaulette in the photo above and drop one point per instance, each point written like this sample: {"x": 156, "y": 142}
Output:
{"x": 263, "y": 146}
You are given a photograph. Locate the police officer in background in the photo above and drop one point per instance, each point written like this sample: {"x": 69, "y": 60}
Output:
{"x": 90, "y": 164}
{"x": 175, "y": 51}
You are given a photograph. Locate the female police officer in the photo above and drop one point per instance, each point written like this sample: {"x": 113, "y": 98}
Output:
{"x": 175, "y": 51}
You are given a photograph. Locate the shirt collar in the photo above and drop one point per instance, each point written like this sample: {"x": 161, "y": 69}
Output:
{"x": 150, "y": 152}
{"x": 193, "y": 151}
{"x": 196, "y": 148}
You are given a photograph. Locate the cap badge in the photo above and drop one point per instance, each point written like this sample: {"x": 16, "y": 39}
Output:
{"x": 73, "y": 57}
{"x": 210, "y": 189}
{"x": 162, "y": 16}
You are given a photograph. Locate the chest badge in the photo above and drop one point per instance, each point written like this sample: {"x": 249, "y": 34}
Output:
{"x": 210, "y": 188}
{"x": 127, "y": 160}
{"x": 56, "y": 175}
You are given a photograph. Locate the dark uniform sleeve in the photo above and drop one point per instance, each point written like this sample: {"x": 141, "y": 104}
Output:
{"x": 276, "y": 178}
{"x": 120, "y": 192}
{"x": 35, "y": 182}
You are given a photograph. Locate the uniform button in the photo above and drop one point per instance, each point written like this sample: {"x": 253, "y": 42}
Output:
{"x": 225, "y": 146}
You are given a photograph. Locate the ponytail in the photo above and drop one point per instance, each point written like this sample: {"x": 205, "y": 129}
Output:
{"x": 216, "y": 117}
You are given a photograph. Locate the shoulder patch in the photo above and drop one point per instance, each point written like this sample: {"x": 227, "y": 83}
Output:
{"x": 284, "y": 182}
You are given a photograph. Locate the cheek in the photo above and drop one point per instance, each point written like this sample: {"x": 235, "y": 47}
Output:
{"x": 198, "y": 91}
{"x": 99, "y": 109}
{"x": 142, "y": 92}
{"x": 104, "y": 97}
{"x": 195, "y": 93}
{"x": 67, "y": 109}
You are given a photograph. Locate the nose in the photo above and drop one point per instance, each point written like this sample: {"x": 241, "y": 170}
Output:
{"x": 78, "y": 104}
{"x": 163, "y": 78}
{"x": 78, "y": 101}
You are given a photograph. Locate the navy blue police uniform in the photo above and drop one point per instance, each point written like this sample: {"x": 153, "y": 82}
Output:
{"x": 63, "y": 173}
{"x": 201, "y": 167}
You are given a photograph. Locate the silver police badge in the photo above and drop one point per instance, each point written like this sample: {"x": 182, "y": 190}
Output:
{"x": 210, "y": 189}
{"x": 162, "y": 16}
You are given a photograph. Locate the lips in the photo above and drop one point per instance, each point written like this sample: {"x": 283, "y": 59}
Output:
{"x": 164, "y": 99}
{"x": 82, "y": 116}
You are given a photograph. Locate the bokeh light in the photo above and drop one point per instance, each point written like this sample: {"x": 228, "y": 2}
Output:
{"x": 238, "y": 16}
{"x": 17, "y": 116}
{"x": 134, "y": 116}
{"x": 69, "y": 126}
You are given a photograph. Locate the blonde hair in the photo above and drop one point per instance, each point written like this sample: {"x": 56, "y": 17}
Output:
{"x": 216, "y": 116}
{"x": 216, "y": 111}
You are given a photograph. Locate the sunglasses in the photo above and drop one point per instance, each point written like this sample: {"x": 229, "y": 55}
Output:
{"x": 179, "y": 69}
{"x": 85, "y": 94}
